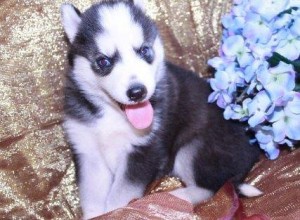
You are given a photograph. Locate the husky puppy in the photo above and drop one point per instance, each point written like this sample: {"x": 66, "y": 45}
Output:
{"x": 131, "y": 117}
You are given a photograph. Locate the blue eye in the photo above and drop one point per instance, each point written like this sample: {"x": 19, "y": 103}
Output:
{"x": 146, "y": 53}
{"x": 103, "y": 63}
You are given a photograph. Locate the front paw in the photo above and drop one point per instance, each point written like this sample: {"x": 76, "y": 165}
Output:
{"x": 92, "y": 211}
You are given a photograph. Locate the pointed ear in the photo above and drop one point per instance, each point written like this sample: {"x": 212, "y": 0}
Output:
{"x": 140, "y": 4}
{"x": 71, "y": 19}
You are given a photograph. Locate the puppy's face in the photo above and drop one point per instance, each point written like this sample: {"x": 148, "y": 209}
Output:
{"x": 115, "y": 50}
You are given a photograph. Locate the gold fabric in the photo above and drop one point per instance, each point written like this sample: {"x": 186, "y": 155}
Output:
{"x": 165, "y": 184}
{"x": 37, "y": 178}
{"x": 280, "y": 182}
{"x": 158, "y": 206}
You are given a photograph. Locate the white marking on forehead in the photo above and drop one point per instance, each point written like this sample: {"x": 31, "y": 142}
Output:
{"x": 119, "y": 29}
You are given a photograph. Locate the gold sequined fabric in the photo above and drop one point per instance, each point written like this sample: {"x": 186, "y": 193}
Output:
{"x": 158, "y": 206}
{"x": 280, "y": 182}
{"x": 37, "y": 178}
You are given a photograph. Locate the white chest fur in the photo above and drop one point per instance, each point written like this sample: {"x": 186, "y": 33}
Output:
{"x": 110, "y": 137}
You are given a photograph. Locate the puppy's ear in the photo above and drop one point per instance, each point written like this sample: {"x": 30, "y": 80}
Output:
{"x": 71, "y": 19}
{"x": 140, "y": 4}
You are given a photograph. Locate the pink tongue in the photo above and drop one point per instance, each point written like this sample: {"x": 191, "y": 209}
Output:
{"x": 140, "y": 115}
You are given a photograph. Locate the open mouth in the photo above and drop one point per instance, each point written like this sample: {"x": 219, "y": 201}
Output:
{"x": 140, "y": 115}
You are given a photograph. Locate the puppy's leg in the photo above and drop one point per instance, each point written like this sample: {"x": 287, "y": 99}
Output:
{"x": 94, "y": 184}
{"x": 94, "y": 177}
{"x": 123, "y": 190}
{"x": 183, "y": 168}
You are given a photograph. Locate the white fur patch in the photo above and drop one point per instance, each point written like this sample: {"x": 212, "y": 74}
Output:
{"x": 249, "y": 191}
{"x": 159, "y": 59}
{"x": 121, "y": 186}
{"x": 103, "y": 146}
{"x": 70, "y": 21}
{"x": 88, "y": 81}
{"x": 140, "y": 4}
{"x": 111, "y": 135}
{"x": 183, "y": 166}
{"x": 120, "y": 30}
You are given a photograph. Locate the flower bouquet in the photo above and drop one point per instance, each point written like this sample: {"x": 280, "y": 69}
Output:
{"x": 257, "y": 72}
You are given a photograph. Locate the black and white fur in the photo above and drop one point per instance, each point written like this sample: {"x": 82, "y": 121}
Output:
{"x": 188, "y": 138}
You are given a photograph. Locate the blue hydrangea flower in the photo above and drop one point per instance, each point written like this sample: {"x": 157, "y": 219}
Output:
{"x": 224, "y": 84}
{"x": 265, "y": 138}
{"x": 256, "y": 30}
{"x": 294, "y": 3}
{"x": 268, "y": 9}
{"x": 295, "y": 30}
{"x": 278, "y": 82}
{"x": 251, "y": 70}
{"x": 222, "y": 98}
{"x": 289, "y": 47}
{"x": 286, "y": 120}
{"x": 220, "y": 84}
{"x": 282, "y": 21}
{"x": 277, "y": 38}
{"x": 259, "y": 108}
{"x": 237, "y": 112}
{"x": 233, "y": 24}
{"x": 245, "y": 85}
{"x": 219, "y": 63}
{"x": 235, "y": 48}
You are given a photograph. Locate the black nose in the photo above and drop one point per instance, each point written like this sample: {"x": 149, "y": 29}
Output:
{"x": 136, "y": 92}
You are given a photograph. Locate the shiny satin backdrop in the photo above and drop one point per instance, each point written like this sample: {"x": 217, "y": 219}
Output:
{"x": 37, "y": 178}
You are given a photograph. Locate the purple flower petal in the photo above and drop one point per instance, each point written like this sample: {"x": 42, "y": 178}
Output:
{"x": 282, "y": 21}
{"x": 290, "y": 49}
{"x": 276, "y": 115}
{"x": 279, "y": 129}
{"x": 264, "y": 136}
{"x": 256, "y": 119}
{"x": 245, "y": 59}
{"x": 295, "y": 27}
{"x": 257, "y": 32}
{"x": 213, "y": 97}
{"x": 272, "y": 151}
{"x": 232, "y": 45}
{"x": 268, "y": 9}
{"x": 294, "y": 105}
{"x": 228, "y": 112}
{"x": 216, "y": 62}
{"x": 221, "y": 102}
{"x": 293, "y": 128}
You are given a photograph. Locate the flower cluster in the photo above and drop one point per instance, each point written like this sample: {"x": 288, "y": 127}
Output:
{"x": 257, "y": 71}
